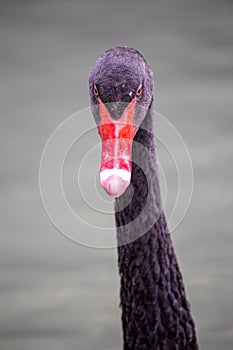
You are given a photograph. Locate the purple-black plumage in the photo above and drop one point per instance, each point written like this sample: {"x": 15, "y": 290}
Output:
{"x": 155, "y": 310}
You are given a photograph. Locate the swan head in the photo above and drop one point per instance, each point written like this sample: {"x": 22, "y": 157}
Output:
{"x": 120, "y": 88}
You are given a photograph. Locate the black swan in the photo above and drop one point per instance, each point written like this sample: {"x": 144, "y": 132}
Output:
{"x": 155, "y": 311}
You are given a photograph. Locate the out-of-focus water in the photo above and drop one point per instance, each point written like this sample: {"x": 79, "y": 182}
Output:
{"x": 56, "y": 294}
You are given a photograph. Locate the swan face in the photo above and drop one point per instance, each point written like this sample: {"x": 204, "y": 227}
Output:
{"x": 120, "y": 87}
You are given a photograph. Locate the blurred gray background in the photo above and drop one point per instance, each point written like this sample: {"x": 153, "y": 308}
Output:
{"x": 56, "y": 294}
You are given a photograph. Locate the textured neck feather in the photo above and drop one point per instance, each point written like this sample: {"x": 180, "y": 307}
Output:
{"x": 155, "y": 310}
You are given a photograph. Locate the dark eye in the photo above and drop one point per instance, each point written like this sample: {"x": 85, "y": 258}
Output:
{"x": 95, "y": 90}
{"x": 139, "y": 91}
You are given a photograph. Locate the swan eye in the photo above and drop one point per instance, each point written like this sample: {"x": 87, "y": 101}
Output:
{"x": 139, "y": 91}
{"x": 95, "y": 90}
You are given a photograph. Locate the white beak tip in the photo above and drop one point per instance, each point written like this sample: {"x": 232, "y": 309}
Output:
{"x": 114, "y": 185}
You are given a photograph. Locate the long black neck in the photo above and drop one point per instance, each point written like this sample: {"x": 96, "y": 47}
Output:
{"x": 155, "y": 311}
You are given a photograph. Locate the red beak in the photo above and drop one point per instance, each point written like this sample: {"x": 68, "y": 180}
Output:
{"x": 117, "y": 138}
